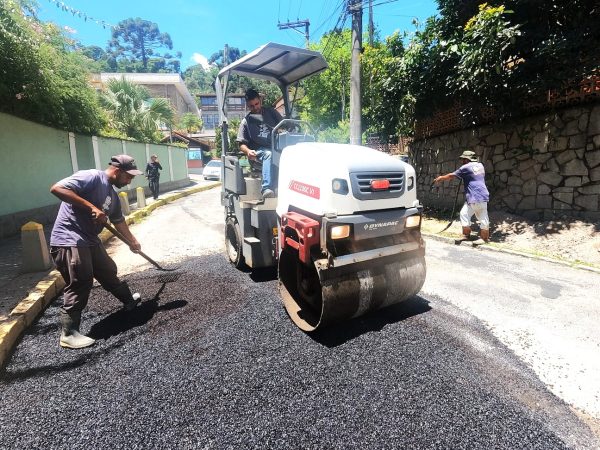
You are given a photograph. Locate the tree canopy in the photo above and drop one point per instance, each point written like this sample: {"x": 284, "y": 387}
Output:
{"x": 133, "y": 113}
{"x": 327, "y": 95}
{"x": 135, "y": 45}
{"x": 42, "y": 78}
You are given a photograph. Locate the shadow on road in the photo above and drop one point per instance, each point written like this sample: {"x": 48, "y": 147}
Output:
{"x": 264, "y": 274}
{"x": 341, "y": 333}
{"x": 122, "y": 321}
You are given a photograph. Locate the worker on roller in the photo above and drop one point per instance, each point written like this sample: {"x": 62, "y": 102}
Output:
{"x": 254, "y": 136}
{"x": 472, "y": 173}
{"x": 89, "y": 199}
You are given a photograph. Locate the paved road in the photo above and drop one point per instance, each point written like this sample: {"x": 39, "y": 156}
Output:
{"x": 210, "y": 360}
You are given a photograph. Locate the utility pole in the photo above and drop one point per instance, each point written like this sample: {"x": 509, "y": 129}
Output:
{"x": 371, "y": 23}
{"x": 225, "y": 55}
{"x": 295, "y": 25}
{"x": 355, "y": 8}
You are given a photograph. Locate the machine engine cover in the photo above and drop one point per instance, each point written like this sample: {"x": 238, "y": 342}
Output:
{"x": 307, "y": 171}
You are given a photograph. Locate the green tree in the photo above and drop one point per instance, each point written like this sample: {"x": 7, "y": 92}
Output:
{"x": 133, "y": 113}
{"x": 199, "y": 80}
{"x": 385, "y": 99}
{"x": 99, "y": 60}
{"x": 135, "y": 45}
{"x": 498, "y": 54}
{"x": 42, "y": 78}
{"x": 234, "y": 54}
{"x": 327, "y": 95}
{"x": 190, "y": 122}
{"x": 339, "y": 134}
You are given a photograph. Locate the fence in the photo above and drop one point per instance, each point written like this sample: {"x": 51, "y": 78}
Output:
{"x": 454, "y": 118}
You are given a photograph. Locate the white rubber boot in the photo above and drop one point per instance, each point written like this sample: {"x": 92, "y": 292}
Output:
{"x": 70, "y": 337}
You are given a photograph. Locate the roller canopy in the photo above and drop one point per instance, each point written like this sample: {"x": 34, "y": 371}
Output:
{"x": 279, "y": 63}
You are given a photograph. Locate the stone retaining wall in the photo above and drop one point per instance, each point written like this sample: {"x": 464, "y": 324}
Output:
{"x": 540, "y": 167}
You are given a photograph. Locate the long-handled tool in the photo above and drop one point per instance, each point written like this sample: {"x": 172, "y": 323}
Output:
{"x": 139, "y": 252}
{"x": 453, "y": 207}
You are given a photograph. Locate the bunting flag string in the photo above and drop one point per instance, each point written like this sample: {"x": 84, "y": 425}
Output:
{"x": 81, "y": 14}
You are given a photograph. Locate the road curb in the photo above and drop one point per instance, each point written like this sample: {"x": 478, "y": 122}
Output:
{"x": 490, "y": 248}
{"x": 28, "y": 309}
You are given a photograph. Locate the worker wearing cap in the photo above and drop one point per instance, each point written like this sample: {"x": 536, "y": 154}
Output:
{"x": 472, "y": 173}
{"x": 89, "y": 199}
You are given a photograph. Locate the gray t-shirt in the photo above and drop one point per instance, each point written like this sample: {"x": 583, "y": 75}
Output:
{"x": 255, "y": 129}
{"x": 473, "y": 175}
{"x": 74, "y": 227}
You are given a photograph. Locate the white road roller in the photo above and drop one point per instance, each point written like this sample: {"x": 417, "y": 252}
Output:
{"x": 344, "y": 228}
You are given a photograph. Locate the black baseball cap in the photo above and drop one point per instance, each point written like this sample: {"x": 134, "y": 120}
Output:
{"x": 126, "y": 163}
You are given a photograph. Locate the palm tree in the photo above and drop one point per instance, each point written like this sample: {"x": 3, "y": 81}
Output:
{"x": 133, "y": 112}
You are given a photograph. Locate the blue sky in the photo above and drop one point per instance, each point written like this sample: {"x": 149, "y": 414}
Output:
{"x": 198, "y": 28}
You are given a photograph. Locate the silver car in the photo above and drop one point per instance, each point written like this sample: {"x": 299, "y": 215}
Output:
{"x": 212, "y": 170}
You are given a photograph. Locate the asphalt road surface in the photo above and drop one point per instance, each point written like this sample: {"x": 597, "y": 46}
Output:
{"x": 210, "y": 360}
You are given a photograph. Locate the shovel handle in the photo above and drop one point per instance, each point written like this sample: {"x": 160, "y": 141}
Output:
{"x": 114, "y": 231}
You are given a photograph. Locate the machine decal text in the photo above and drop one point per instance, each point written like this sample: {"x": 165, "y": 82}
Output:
{"x": 305, "y": 189}
{"x": 374, "y": 226}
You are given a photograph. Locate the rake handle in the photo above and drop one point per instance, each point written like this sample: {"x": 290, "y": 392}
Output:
{"x": 114, "y": 231}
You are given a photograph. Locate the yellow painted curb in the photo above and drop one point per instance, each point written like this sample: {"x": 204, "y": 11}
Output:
{"x": 29, "y": 307}
{"x": 10, "y": 330}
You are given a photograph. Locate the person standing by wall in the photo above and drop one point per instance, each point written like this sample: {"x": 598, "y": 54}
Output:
{"x": 88, "y": 201}
{"x": 153, "y": 169}
{"x": 472, "y": 173}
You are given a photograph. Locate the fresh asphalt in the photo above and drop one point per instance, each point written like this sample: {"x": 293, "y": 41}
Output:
{"x": 210, "y": 360}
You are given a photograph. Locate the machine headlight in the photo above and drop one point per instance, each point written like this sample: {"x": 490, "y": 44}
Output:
{"x": 340, "y": 231}
{"x": 339, "y": 186}
{"x": 413, "y": 221}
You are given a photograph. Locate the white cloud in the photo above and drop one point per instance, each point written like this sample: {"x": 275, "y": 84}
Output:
{"x": 200, "y": 59}
{"x": 70, "y": 30}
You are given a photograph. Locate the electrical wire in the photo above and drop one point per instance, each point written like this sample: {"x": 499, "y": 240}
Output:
{"x": 82, "y": 15}
{"x": 340, "y": 5}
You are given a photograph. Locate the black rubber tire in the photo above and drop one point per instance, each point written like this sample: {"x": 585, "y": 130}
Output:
{"x": 233, "y": 243}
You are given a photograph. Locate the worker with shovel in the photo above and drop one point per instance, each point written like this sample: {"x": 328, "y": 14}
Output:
{"x": 89, "y": 199}
{"x": 472, "y": 173}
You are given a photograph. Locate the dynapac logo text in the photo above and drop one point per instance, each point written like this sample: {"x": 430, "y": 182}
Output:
{"x": 374, "y": 226}
{"x": 305, "y": 189}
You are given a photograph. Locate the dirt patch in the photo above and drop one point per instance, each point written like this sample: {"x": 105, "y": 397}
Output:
{"x": 564, "y": 239}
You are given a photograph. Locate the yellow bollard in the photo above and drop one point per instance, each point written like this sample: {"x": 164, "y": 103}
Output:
{"x": 124, "y": 203}
{"x": 35, "y": 250}
{"x": 141, "y": 197}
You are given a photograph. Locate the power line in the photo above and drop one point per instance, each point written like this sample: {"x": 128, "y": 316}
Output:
{"x": 80, "y": 14}
{"x": 334, "y": 12}
{"x": 382, "y": 2}
{"x": 333, "y": 41}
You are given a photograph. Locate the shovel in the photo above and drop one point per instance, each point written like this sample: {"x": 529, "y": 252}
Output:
{"x": 139, "y": 252}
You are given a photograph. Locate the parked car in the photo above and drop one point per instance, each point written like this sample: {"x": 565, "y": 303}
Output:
{"x": 212, "y": 170}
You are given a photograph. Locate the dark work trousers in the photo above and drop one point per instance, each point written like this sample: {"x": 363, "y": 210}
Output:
{"x": 153, "y": 182}
{"x": 79, "y": 266}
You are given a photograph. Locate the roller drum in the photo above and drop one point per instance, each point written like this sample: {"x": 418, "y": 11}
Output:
{"x": 349, "y": 295}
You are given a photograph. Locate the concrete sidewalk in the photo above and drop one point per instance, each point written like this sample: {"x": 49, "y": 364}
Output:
{"x": 23, "y": 296}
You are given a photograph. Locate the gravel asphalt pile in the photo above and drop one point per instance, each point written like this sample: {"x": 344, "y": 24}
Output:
{"x": 212, "y": 361}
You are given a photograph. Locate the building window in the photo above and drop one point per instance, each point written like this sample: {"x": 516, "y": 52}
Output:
{"x": 207, "y": 101}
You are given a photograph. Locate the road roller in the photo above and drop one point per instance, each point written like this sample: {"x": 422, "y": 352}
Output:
{"x": 344, "y": 227}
